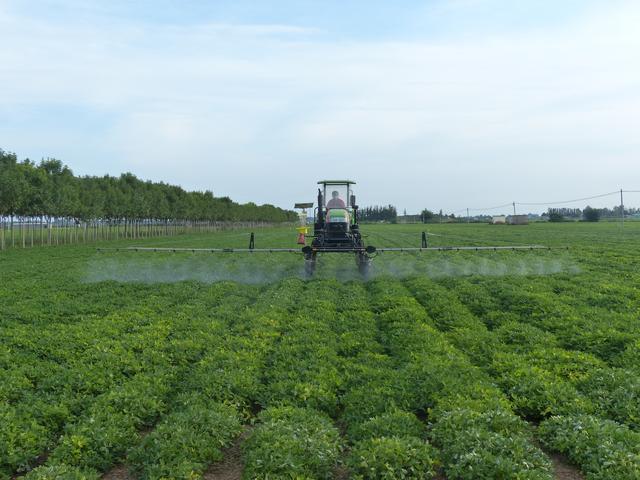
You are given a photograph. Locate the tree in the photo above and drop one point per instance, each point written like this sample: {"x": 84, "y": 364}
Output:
{"x": 378, "y": 214}
{"x": 591, "y": 214}
{"x": 51, "y": 190}
{"x": 427, "y": 215}
{"x": 555, "y": 216}
{"x": 13, "y": 185}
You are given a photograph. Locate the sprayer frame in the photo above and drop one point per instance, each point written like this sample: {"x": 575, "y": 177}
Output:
{"x": 337, "y": 238}
{"x": 341, "y": 237}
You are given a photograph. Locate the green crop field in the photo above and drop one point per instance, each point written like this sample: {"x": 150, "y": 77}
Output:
{"x": 456, "y": 365}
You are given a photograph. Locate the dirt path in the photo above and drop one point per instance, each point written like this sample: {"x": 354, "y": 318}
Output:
{"x": 562, "y": 469}
{"x": 232, "y": 464}
{"x": 229, "y": 468}
{"x": 118, "y": 473}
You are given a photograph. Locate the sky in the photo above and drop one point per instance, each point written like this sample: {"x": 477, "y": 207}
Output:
{"x": 439, "y": 104}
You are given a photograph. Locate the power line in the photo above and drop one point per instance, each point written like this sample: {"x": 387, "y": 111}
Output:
{"x": 569, "y": 201}
{"x": 482, "y": 209}
{"x": 492, "y": 208}
{"x": 617, "y": 192}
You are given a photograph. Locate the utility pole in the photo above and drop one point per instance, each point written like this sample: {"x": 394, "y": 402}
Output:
{"x": 514, "y": 208}
{"x": 468, "y": 219}
{"x": 621, "y": 209}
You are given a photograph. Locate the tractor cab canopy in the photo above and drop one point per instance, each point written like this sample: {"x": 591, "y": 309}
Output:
{"x": 337, "y": 193}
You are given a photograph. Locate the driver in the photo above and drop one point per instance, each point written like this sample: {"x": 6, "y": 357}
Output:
{"x": 336, "y": 201}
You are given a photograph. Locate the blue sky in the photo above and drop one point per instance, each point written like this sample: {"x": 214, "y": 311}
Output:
{"x": 439, "y": 104}
{"x": 356, "y": 19}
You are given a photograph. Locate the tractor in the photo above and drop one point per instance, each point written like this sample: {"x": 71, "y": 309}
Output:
{"x": 335, "y": 226}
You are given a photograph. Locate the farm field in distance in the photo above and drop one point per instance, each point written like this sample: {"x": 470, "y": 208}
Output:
{"x": 448, "y": 365}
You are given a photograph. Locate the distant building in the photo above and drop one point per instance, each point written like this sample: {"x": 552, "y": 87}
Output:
{"x": 498, "y": 220}
{"x": 409, "y": 219}
{"x": 518, "y": 220}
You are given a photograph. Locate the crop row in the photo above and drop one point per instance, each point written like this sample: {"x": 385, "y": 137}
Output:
{"x": 542, "y": 381}
{"x": 50, "y": 390}
{"x": 610, "y": 391}
{"x": 295, "y": 436}
{"x": 217, "y": 396}
{"x": 385, "y": 379}
{"x": 592, "y": 317}
{"x": 333, "y": 366}
{"x": 470, "y": 419}
{"x": 385, "y": 437}
{"x": 116, "y": 376}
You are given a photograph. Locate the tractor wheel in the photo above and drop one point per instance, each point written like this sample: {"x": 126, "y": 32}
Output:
{"x": 309, "y": 265}
{"x": 364, "y": 265}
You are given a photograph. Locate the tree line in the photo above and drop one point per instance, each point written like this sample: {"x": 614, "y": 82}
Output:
{"x": 589, "y": 214}
{"x": 377, "y": 213}
{"x": 49, "y": 194}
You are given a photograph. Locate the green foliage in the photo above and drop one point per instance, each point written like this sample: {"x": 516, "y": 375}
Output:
{"x": 377, "y": 213}
{"x": 487, "y": 445}
{"x": 396, "y": 423}
{"x": 591, "y": 214}
{"x": 22, "y": 439}
{"x": 50, "y": 189}
{"x": 570, "y": 365}
{"x": 480, "y": 345}
{"x": 305, "y": 368}
{"x": 534, "y": 391}
{"x": 61, "y": 472}
{"x": 393, "y": 458}
{"x": 373, "y": 399}
{"x": 292, "y": 443}
{"x": 372, "y": 387}
{"x": 229, "y": 374}
{"x": 478, "y": 435}
{"x": 603, "y": 449}
{"x": 186, "y": 441}
{"x": 442, "y": 305}
{"x": 555, "y": 216}
{"x": 110, "y": 427}
{"x": 496, "y": 318}
{"x": 426, "y": 215}
{"x": 522, "y": 337}
{"x": 141, "y": 400}
{"x": 630, "y": 357}
{"x": 616, "y": 394}
{"x": 96, "y": 442}
{"x": 93, "y": 375}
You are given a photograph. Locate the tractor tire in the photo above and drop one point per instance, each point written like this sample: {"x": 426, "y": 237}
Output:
{"x": 309, "y": 266}
{"x": 364, "y": 265}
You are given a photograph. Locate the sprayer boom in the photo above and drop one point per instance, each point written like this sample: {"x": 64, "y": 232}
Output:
{"x": 335, "y": 230}
{"x": 203, "y": 250}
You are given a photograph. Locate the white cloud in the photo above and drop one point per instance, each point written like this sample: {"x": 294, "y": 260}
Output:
{"x": 441, "y": 123}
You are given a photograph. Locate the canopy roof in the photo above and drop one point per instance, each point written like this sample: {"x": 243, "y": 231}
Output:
{"x": 336, "y": 182}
